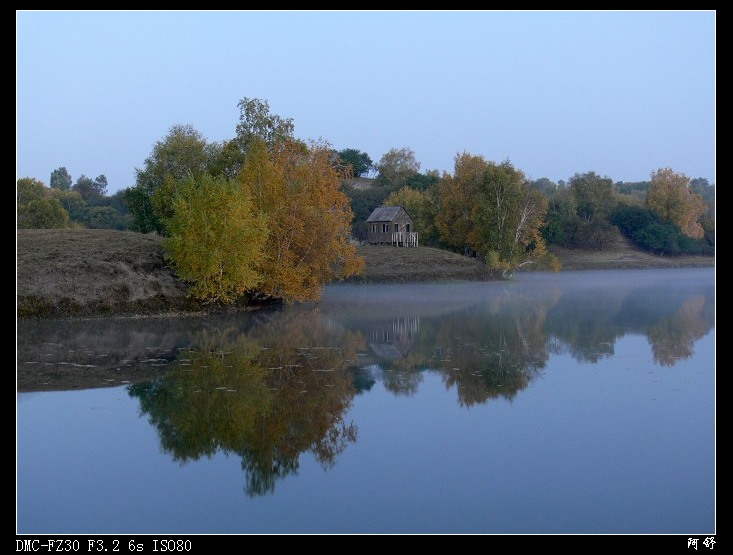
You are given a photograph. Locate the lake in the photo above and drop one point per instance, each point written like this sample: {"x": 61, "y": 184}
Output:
{"x": 570, "y": 403}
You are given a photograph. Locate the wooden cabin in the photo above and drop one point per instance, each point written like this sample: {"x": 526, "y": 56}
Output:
{"x": 391, "y": 225}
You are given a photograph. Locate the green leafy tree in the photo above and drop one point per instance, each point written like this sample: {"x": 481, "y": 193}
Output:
{"x": 100, "y": 184}
{"x": 117, "y": 201}
{"x": 562, "y": 223}
{"x": 85, "y": 186}
{"x": 396, "y": 166}
{"x": 547, "y": 186}
{"x": 510, "y": 217}
{"x": 72, "y": 202}
{"x": 630, "y": 218}
{"x": 644, "y": 227}
{"x": 659, "y": 237}
{"x": 144, "y": 218}
{"x": 225, "y": 159}
{"x": 256, "y": 121}
{"x": 593, "y": 196}
{"x": 363, "y": 202}
{"x": 490, "y": 210}
{"x": 216, "y": 239}
{"x": 91, "y": 190}
{"x": 60, "y": 179}
{"x": 423, "y": 181}
{"x": 181, "y": 154}
{"x": 104, "y": 217}
{"x": 602, "y": 232}
{"x": 359, "y": 161}
{"x": 422, "y": 208}
{"x": 37, "y": 208}
{"x": 632, "y": 192}
{"x": 702, "y": 187}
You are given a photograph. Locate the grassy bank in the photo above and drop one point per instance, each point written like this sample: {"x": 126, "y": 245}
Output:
{"x": 385, "y": 264}
{"x": 622, "y": 254}
{"x": 78, "y": 272}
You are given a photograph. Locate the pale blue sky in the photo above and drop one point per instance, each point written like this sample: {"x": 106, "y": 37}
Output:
{"x": 556, "y": 92}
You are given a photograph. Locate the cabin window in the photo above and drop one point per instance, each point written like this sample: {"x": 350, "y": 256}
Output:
{"x": 396, "y": 227}
{"x": 407, "y": 228}
{"x": 374, "y": 228}
{"x": 385, "y": 228}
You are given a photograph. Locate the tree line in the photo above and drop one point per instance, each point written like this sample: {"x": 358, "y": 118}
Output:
{"x": 83, "y": 203}
{"x": 474, "y": 209}
{"x": 266, "y": 214}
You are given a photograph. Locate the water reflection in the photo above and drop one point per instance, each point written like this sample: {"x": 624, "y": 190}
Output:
{"x": 673, "y": 337}
{"x": 267, "y": 395}
{"x": 273, "y": 385}
{"x": 483, "y": 349}
{"x": 672, "y": 315}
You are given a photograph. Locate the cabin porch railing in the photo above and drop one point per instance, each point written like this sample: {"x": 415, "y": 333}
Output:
{"x": 405, "y": 238}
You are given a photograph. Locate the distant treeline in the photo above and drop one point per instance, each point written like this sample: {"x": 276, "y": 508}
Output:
{"x": 84, "y": 203}
{"x": 669, "y": 214}
{"x": 570, "y": 220}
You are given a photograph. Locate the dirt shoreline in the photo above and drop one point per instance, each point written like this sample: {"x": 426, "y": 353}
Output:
{"x": 85, "y": 272}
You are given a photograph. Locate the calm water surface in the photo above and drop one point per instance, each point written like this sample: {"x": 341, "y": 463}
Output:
{"x": 568, "y": 403}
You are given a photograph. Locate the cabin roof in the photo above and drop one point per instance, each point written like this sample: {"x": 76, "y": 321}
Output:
{"x": 384, "y": 214}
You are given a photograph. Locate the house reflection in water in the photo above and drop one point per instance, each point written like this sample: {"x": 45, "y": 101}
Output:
{"x": 394, "y": 339}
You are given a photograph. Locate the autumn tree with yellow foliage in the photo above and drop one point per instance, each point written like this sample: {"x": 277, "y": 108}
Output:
{"x": 279, "y": 227}
{"x": 457, "y": 218}
{"x": 217, "y": 240}
{"x": 309, "y": 218}
{"x": 671, "y": 197}
{"x": 490, "y": 210}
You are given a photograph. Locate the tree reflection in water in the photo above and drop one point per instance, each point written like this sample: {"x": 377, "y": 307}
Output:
{"x": 272, "y": 386}
{"x": 267, "y": 395}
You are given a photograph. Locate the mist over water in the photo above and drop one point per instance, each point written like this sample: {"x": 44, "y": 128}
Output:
{"x": 579, "y": 402}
